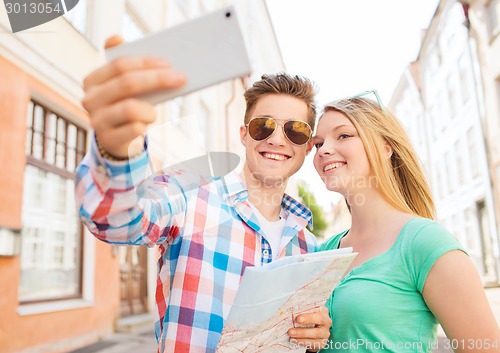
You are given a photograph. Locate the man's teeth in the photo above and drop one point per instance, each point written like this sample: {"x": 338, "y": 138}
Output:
{"x": 333, "y": 166}
{"x": 278, "y": 157}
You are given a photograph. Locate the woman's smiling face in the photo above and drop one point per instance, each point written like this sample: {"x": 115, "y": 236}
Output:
{"x": 340, "y": 157}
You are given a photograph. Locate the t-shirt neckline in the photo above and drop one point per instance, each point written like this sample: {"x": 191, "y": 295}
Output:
{"x": 376, "y": 259}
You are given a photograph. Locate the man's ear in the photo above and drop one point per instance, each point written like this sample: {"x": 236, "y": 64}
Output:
{"x": 309, "y": 147}
{"x": 243, "y": 135}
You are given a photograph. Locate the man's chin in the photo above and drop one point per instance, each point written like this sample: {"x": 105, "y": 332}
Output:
{"x": 274, "y": 181}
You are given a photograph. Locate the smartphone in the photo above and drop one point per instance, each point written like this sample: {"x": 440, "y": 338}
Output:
{"x": 209, "y": 49}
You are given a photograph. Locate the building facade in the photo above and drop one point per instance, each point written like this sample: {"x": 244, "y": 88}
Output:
{"x": 483, "y": 23}
{"x": 62, "y": 289}
{"x": 441, "y": 101}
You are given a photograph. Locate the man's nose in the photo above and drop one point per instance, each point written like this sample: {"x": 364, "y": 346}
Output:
{"x": 278, "y": 137}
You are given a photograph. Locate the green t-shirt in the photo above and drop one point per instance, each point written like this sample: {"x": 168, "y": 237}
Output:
{"x": 378, "y": 306}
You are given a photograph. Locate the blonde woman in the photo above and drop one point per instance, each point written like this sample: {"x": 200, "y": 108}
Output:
{"x": 410, "y": 272}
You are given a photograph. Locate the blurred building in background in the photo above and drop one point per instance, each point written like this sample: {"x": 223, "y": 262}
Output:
{"x": 483, "y": 23}
{"x": 448, "y": 100}
{"x": 62, "y": 289}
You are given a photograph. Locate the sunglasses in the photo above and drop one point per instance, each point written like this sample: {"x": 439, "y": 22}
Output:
{"x": 377, "y": 97}
{"x": 296, "y": 131}
{"x": 372, "y": 91}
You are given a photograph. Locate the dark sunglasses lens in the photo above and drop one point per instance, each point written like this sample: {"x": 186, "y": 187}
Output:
{"x": 261, "y": 128}
{"x": 297, "y": 131}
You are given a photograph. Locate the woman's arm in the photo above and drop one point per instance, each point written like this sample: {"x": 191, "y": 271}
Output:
{"x": 455, "y": 295}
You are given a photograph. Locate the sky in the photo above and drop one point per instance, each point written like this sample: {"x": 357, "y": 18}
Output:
{"x": 347, "y": 47}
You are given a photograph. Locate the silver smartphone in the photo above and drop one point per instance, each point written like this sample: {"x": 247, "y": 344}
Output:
{"x": 209, "y": 49}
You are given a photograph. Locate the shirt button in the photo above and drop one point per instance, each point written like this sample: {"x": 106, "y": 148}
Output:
{"x": 265, "y": 252}
{"x": 104, "y": 170}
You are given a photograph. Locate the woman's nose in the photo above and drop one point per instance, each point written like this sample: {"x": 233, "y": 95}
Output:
{"x": 326, "y": 149}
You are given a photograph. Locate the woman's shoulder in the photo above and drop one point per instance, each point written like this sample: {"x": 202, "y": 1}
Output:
{"x": 424, "y": 233}
{"x": 424, "y": 242}
{"x": 332, "y": 242}
{"x": 419, "y": 226}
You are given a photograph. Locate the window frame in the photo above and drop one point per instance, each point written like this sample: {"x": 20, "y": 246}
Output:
{"x": 492, "y": 21}
{"x": 129, "y": 13}
{"x": 85, "y": 31}
{"x": 80, "y": 147}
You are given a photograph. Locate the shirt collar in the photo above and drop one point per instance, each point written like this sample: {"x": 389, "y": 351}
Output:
{"x": 235, "y": 191}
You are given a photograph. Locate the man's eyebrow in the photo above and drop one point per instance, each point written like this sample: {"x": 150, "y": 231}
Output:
{"x": 274, "y": 118}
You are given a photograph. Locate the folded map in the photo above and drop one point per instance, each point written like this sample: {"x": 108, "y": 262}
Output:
{"x": 271, "y": 296}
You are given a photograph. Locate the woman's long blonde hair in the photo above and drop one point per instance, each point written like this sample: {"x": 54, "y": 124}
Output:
{"x": 401, "y": 182}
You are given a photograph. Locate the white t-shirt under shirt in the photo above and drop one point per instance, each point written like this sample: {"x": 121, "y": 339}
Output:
{"x": 272, "y": 231}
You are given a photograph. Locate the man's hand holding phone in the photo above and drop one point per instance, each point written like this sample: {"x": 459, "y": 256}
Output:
{"x": 179, "y": 60}
{"x": 116, "y": 116}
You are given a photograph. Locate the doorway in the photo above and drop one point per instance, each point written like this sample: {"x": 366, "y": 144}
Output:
{"x": 133, "y": 280}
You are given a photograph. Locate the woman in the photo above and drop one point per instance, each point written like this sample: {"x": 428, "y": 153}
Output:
{"x": 410, "y": 273}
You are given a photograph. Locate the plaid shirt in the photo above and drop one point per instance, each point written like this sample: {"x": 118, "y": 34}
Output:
{"x": 207, "y": 236}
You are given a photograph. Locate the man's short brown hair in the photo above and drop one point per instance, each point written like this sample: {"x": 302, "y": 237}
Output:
{"x": 282, "y": 83}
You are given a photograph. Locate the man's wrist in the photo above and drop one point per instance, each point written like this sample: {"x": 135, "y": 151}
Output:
{"x": 114, "y": 158}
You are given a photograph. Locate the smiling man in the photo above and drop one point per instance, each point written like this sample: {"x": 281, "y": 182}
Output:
{"x": 209, "y": 235}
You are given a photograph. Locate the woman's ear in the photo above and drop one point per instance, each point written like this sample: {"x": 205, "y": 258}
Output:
{"x": 388, "y": 150}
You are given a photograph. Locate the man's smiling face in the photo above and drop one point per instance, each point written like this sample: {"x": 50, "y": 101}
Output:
{"x": 275, "y": 159}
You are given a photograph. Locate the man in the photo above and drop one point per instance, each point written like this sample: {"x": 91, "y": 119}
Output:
{"x": 207, "y": 236}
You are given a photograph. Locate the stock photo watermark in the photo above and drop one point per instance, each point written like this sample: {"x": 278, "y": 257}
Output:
{"x": 365, "y": 344}
{"x": 25, "y": 14}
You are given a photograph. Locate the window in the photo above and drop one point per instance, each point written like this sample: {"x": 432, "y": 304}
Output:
{"x": 465, "y": 79}
{"x": 444, "y": 108}
{"x": 493, "y": 18}
{"x": 52, "y": 141}
{"x": 438, "y": 189}
{"x": 460, "y": 163}
{"x": 457, "y": 226}
{"x": 449, "y": 174}
{"x": 497, "y": 175}
{"x": 453, "y": 95}
{"x": 78, "y": 16}
{"x": 182, "y": 4}
{"x": 51, "y": 236}
{"x": 175, "y": 106}
{"x": 471, "y": 232}
{"x": 131, "y": 28}
{"x": 203, "y": 115}
{"x": 442, "y": 42}
{"x": 433, "y": 122}
{"x": 473, "y": 153}
{"x": 498, "y": 97}
{"x": 486, "y": 237}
